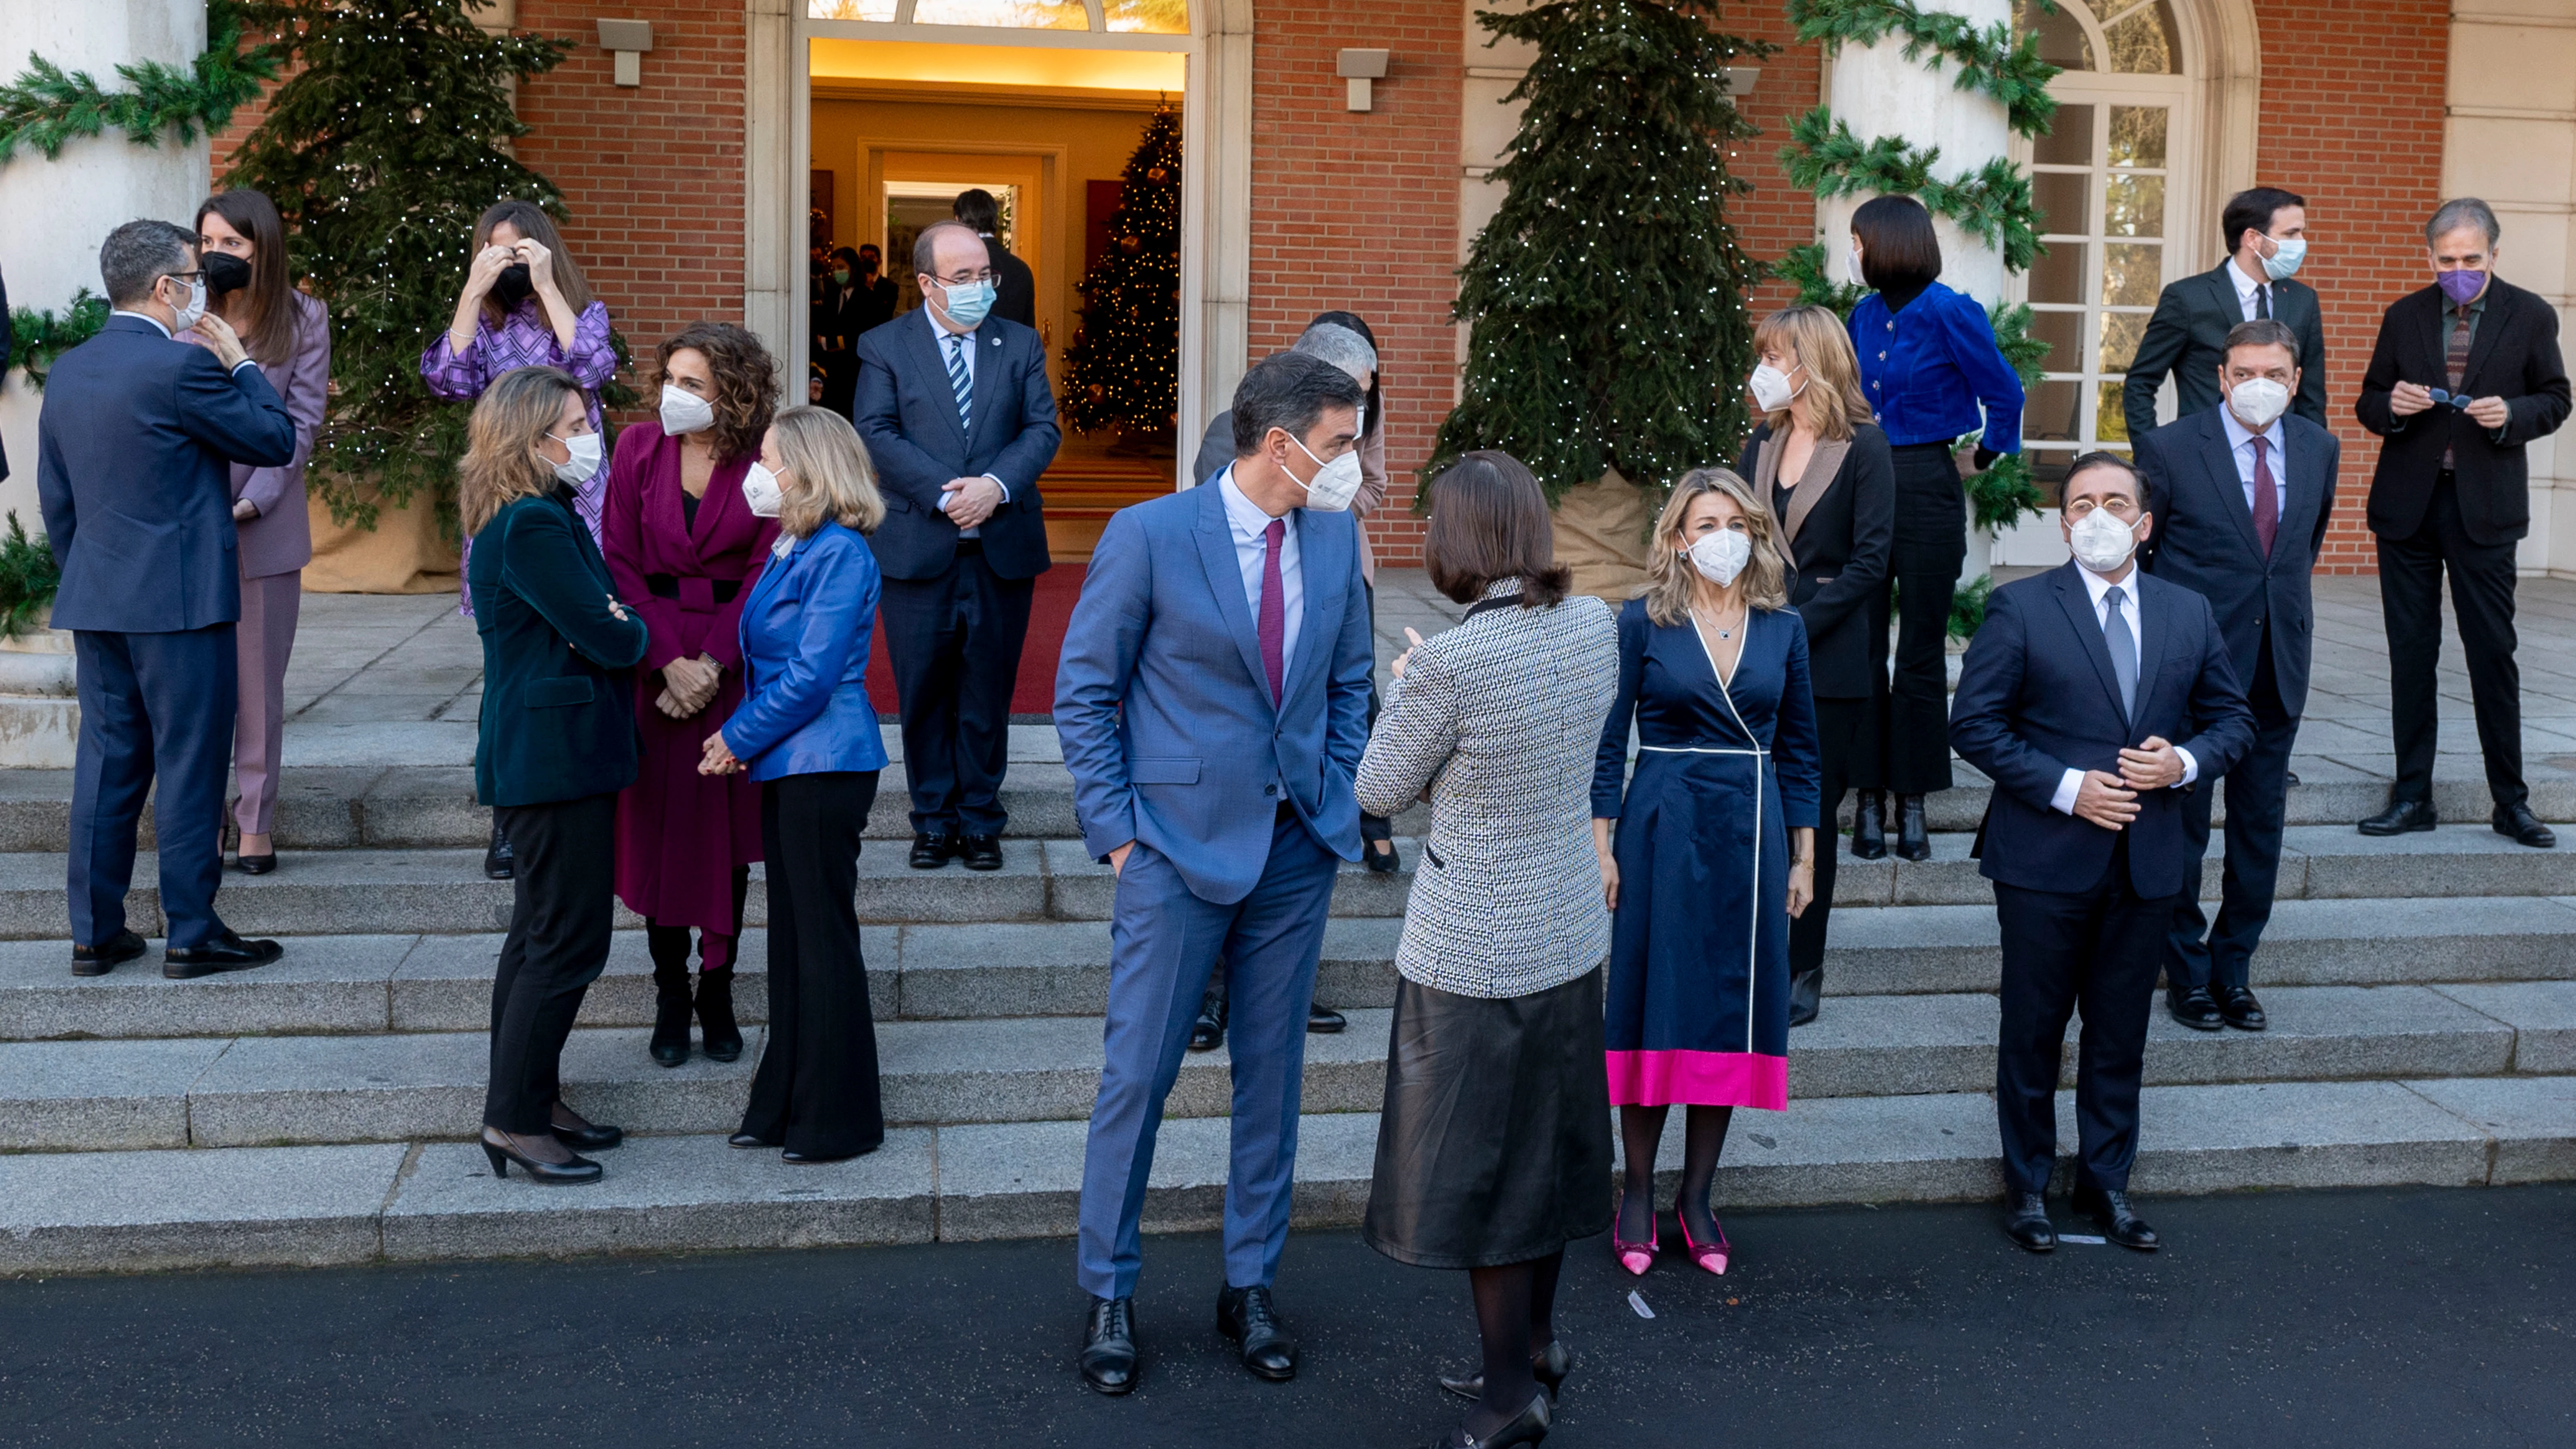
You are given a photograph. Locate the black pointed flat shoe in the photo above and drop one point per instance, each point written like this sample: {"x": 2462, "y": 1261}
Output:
{"x": 255, "y": 864}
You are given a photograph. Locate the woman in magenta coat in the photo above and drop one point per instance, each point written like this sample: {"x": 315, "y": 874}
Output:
{"x": 685, "y": 548}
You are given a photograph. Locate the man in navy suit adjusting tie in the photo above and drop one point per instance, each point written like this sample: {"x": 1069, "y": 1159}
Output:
{"x": 957, "y": 415}
{"x": 2079, "y": 698}
{"x": 1212, "y": 702}
{"x": 2241, "y": 494}
{"x": 133, "y": 471}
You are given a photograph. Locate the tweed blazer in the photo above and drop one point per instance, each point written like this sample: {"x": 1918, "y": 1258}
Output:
{"x": 1499, "y": 718}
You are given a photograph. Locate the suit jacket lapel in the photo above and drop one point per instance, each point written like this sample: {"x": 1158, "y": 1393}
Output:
{"x": 1225, "y": 581}
{"x": 2307, "y": 493}
{"x": 2223, "y": 477}
{"x": 988, "y": 369}
{"x": 1824, "y": 464}
{"x": 2078, "y": 603}
{"x": 2222, "y": 296}
{"x": 2436, "y": 322}
{"x": 2491, "y": 325}
{"x": 933, "y": 352}
{"x": 2152, "y": 636}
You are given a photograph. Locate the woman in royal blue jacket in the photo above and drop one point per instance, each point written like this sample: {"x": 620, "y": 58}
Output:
{"x": 1928, "y": 365}
{"x": 809, "y": 737}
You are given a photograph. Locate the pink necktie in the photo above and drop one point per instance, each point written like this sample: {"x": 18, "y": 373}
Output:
{"x": 1273, "y": 623}
{"x": 2267, "y": 506}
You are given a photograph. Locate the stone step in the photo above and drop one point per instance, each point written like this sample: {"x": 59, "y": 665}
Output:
{"x": 437, "y": 1200}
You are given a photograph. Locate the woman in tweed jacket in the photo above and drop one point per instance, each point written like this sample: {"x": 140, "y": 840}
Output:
{"x": 1493, "y": 1149}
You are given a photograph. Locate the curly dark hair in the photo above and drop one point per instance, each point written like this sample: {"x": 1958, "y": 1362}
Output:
{"x": 746, "y": 384}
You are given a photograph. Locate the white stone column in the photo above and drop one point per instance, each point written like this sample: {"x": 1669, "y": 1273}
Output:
{"x": 1878, "y": 92}
{"x": 54, "y": 214}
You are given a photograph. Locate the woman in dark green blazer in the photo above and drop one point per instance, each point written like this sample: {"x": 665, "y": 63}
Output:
{"x": 556, "y": 744}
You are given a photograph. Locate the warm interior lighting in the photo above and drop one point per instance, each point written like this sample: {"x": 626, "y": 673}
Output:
{"x": 1005, "y": 65}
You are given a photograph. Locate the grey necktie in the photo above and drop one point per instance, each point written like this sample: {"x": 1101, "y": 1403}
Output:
{"x": 2124, "y": 652}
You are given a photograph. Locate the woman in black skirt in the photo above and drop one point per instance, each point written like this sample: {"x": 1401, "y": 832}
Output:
{"x": 1493, "y": 1148}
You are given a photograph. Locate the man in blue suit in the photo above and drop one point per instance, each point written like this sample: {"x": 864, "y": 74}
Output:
{"x": 2241, "y": 494}
{"x": 1212, "y": 702}
{"x": 2079, "y": 698}
{"x": 133, "y": 470}
{"x": 957, "y": 414}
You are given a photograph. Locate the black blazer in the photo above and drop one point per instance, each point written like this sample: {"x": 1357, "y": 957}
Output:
{"x": 1015, "y": 287}
{"x": 1841, "y": 553}
{"x": 2037, "y": 698}
{"x": 2204, "y": 538}
{"x": 2186, "y": 337}
{"x": 841, "y": 317}
{"x": 558, "y": 699}
{"x": 907, "y": 415}
{"x": 2515, "y": 357}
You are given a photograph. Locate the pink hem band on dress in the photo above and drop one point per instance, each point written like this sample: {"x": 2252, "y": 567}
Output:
{"x": 1704, "y": 1079}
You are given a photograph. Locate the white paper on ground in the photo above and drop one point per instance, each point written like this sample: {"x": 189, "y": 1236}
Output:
{"x": 1639, "y": 1303}
{"x": 2082, "y": 1238}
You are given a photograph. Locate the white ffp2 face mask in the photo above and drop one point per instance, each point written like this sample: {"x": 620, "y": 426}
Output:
{"x": 186, "y": 317}
{"x": 1772, "y": 389}
{"x": 1335, "y": 483}
{"x": 684, "y": 411}
{"x": 1722, "y": 555}
{"x": 2101, "y": 541}
{"x": 584, "y": 462}
{"x": 760, "y": 490}
{"x": 2258, "y": 402}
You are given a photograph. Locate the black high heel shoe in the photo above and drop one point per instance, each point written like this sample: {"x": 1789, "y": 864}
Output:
{"x": 1913, "y": 838}
{"x": 1549, "y": 1366}
{"x": 1526, "y": 1427}
{"x": 581, "y": 1134}
{"x": 1869, "y": 826}
{"x": 1383, "y": 862}
{"x": 501, "y": 1152}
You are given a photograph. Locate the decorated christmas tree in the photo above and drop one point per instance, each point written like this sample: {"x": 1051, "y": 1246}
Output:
{"x": 1123, "y": 368}
{"x": 388, "y": 142}
{"x": 1605, "y": 299}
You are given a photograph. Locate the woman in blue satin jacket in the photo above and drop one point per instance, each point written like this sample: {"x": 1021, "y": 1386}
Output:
{"x": 1932, "y": 372}
{"x": 809, "y": 737}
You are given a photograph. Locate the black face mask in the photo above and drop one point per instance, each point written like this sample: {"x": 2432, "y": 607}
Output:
{"x": 867, "y": 266}
{"x": 512, "y": 286}
{"x": 224, "y": 273}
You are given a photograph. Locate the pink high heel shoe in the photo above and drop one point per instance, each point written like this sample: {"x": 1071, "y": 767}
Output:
{"x": 1711, "y": 1257}
{"x": 1635, "y": 1257}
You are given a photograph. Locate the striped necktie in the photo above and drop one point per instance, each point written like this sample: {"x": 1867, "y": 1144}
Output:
{"x": 2455, "y": 362}
{"x": 960, "y": 381}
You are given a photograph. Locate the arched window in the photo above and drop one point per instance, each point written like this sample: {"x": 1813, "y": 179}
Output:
{"x": 1132, "y": 17}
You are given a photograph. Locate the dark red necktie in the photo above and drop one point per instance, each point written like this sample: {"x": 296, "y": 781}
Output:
{"x": 2267, "y": 506}
{"x": 1273, "y": 623}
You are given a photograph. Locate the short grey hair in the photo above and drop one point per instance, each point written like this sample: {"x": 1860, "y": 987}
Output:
{"x": 139, "y": 254}
{"x": 1340, "y": 346}
{"x": 925, "y": 245}
{"x": 2459, "y": 212}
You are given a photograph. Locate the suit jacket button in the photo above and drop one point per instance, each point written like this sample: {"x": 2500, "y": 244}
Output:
{"x": 1269, "y": 789}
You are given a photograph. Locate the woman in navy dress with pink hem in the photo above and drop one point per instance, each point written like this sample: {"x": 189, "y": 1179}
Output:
{"x": 1708, "y": 850}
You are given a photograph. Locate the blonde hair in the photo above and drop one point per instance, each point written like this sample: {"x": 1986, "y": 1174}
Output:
{"x": 501, "y": 462}
{"x": 831, "y": 466}
{"x": 1671, "y": 578}
{"x": 1816, "y": 338}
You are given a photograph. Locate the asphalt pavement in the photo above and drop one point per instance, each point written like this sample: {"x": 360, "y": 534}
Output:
{"x": 2382, "y": 1317}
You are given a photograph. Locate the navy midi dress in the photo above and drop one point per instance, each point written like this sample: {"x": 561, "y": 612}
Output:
{"x": 1698, "y": 996}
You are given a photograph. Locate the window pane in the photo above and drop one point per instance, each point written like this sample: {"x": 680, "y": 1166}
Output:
{"x": 2121, "y": 332}
{"x": 849, "y": 9}
{"x": 2060, "y": 195}
{"x": 1016, "y": 14}
{"x": 2064, "y": 334}
{"x": 2050, "y": 414}
{"x": 1152, "y": 17}
{"x": 2132, "y": 275}
{"x": 2109, "y": 424}
{"x": 2142, "y": 42}
{"x": 2134, "y": 206}
{"x": 2138, "y": 135}
{"x": 2069, "y": 141}
{"x": 2061, "y": 36}
{"x": 2058, "y": 275}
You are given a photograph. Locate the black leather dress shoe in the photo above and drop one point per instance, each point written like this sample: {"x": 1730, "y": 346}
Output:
{"x": 2517, "y": 824}
{"x": 2118, "y": 1221}
{"x": 1549, "y": 1366}
{"x": 2236, "y": 1004}
{"x": 1208, "y": 1032}
{"x": 99, "y": 960}
{"x": 499, "y": 861}
{"x": 1108, "y": 1360}
{"x": 1324, "y": 1021}
{"x": 1247, "y": 1316}
{"x": 982, "y": 852}
{"x": 1806, "y": 995}
{"x": 1869, "y": 826}
{"x": 1913, "y": 836}
{"x": 2026, "y": 1223}
{"x": 2193, "y": 1006}
{"x": 227, "y": 952}
{"x": 930, "y": 852}
{"x": 2400, "y": 817}
{"x": 255, "y": 864}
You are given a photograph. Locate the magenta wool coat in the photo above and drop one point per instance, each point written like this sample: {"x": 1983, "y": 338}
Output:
{"x": 681, "y": 835}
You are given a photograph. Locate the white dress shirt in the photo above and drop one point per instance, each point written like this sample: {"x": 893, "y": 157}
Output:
{"x": 2099, "y": 588}
{"x": 2248, "y": 289}
{"x": 1245, "y": 520}
{"x": 165, "y": 331}
{"x": 2240, "y": 442}
{"x": 941, "y": 335}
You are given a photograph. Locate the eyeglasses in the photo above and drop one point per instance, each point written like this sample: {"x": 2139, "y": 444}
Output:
{"x": 2117, "y": 507}
{"x": 967, "y": 279}
{"x": 2442, "y": 399}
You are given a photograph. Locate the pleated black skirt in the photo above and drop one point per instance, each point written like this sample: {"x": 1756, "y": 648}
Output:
{"x": 1494, "y": 1145}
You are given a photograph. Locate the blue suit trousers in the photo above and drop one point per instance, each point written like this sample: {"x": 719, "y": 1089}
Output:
{"x": 1164, "y": 942}
{"x": 151, "y": 704}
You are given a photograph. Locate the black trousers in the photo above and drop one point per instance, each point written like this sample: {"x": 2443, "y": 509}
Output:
{"x": 816, "y": 1090}
{"x": 2098, "y": 948}
{"x": 2410, "y": 600}
{"x": 2257, "y": 801}
{"x": 954, "y": 642}
{"x": 1931, "y": 543}
{"x": 565, "y": 893}
{"x": 1842, "y": 725}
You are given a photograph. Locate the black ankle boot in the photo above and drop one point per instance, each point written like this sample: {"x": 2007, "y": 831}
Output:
{"x": 1869, "y": 826}
{"x": 671, "y": 1012}
{"x": 715, "y": 1015}
{"x": 1913, "y": 839}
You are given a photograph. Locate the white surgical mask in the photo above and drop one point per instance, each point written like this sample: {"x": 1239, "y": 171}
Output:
{"x": 186, "y": 317}
{"x": 1771, "y": 389}
{"x": 684, "y": 411}
{"x": 2101, "y": 541}
{"x": 1335, "y": 483}
{"x": 1851, "y": 267}
{"x": 577, "y": 469}
{"x": 1720, "y": 556}
{"x": 760, "y": 489}
{"x": 2283, "y": 264}
{"x": 2257, "y": 401}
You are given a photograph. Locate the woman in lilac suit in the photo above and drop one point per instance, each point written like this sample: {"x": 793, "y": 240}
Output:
{"x": 685, "y": 549}
{"x": 241, "y": 245}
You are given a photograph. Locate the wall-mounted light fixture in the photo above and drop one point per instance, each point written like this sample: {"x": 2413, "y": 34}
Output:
{"x": 627, "y": 40}
{"x": 1740, "y": 79}
{"x": 1359, "y": 68}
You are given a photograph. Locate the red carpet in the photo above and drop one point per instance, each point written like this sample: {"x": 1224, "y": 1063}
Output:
{"x": 1034, "y": 694}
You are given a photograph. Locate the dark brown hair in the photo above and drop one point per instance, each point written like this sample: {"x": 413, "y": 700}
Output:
{"x": 271, "y": 333}
{"x": 2259, "y": 332}
{"x": 746, "y": 384}
{"x": 1898, "y": 247}
{"x": 1490, "y": 522}
{"x": 531, "y": 222}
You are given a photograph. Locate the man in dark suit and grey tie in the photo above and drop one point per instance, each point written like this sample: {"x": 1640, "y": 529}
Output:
{"x": 954, "y": 405}
{"x": 2080, "y": 698}
{"x": 2464, "y": 377}
{"x": 134, "y": 455}
{"x": 2267, "y": 237}
{"x": 2241, "y": 496}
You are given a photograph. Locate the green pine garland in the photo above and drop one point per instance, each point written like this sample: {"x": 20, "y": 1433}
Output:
{"x": 40, "y": 336}
{"x": 47, "y": 107}
{"x": 1988, "y": 60}
{"x": 28, "y": 579}
{"x": 1993, "y": 205}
